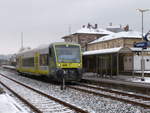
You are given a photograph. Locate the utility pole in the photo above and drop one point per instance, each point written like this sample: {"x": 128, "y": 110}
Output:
{"x": 21, "y": 40}
{"x": 142, "y": 59}
{"x": 69, "y": 29}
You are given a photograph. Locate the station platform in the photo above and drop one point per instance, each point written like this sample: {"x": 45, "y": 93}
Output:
{"x": 120, "y": 80}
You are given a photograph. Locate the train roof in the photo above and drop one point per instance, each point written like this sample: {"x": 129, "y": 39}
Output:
{"x": 43, "y": 48}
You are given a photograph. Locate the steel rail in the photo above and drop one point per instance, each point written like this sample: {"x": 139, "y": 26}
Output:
{"x": 77, "y": 109}
{"x": 117, "y": 92}
{"x": 111, "y": 97}
{"x": 35, "y": 109}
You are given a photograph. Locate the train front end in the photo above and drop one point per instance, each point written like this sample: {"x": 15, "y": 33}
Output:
{"x": 68, "y": 62}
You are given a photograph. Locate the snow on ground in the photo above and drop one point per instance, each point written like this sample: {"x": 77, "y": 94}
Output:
{"x": 8, "y": 66}
{"x": 8, "y": 105}
{"x": 147, "y": 80}
{"x": 141, "y": 71}
{"x": 133, "y": 78}
{"x": 94, "y": 104}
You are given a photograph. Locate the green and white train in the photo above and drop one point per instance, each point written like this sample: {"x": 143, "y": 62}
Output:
{"x": 56, "y": 60}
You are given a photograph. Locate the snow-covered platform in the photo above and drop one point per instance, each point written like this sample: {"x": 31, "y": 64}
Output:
{"x": 120, "y": 80}
{"x": 9, "y": 105}
{"x": 9, "y": 67}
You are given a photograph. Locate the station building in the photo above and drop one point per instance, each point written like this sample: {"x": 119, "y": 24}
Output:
{"x": 85, "y": 35}
{"x": 110, "y": 51}
{"x": 115, "y": 54}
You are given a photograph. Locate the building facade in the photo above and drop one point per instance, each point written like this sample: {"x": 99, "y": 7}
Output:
{"x": 127, "y": 58}
{"x": 110, "y": 51}
{"x": 121, "y": 39}
{"x": 86, "y": 35}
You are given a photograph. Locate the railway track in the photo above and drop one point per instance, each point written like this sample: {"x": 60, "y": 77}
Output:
{"x": 131, "y": 98}
{"x": 134, "y": 99}
{"x": 38, "y": 101}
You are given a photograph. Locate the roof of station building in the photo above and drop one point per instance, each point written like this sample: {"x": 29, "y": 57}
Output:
{"x": 86, "y": 30}
{"x": 102, "y": 51}
{"x": 123, "y": 34}
{"x": 93, "y": 31}
{"x": 115, "y": 50}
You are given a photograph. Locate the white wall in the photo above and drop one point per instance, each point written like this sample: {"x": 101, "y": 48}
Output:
{"x": 137, "y": 62}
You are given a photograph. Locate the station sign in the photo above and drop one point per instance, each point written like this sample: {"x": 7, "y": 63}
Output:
{"x": 148, "y": 44}
{"x": 141, "y": 45}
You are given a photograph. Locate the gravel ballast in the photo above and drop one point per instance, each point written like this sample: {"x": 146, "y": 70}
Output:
{"x": 94, "y": 104}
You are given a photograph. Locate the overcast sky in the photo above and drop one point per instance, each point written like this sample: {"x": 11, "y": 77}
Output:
{"x": 46, "y": 21}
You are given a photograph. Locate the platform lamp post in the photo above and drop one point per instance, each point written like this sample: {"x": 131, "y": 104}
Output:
{"x": 142, "y": 59}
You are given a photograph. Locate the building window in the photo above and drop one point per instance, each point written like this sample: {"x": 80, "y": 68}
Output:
{"x": 130, "y": 59}
{"x": 147, "y": 60}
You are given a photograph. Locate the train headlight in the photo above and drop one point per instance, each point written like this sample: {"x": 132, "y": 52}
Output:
{"x": 58, "y": 65}
{"x": 79, "y": 65}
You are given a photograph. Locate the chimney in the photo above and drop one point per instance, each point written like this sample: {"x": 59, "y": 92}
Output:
{"x": 126, "y": 28}
{"x": 110, "y": 24}
{"x": 96, "y": 26}
{"x": 89, "y": 25}
{"x": 120, "y": 26}
{"x": 83, "y": 26}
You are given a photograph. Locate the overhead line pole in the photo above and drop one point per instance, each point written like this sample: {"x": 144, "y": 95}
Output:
{"x": 21, "y": 40}
{"x": 142, "y": 59}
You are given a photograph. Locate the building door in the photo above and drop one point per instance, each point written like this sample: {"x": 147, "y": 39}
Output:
{"x": 128, "y": 63}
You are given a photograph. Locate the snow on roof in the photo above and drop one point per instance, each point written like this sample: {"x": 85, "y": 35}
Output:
{"x": 123, "y": 34}
{"x": 93, "y": 31}
{"x": 113, "y": 26}
{"x": 111, "y": 50}
{"x": 102, "y": 51}
{"x": 40, "y": 47}
{"x": 43, "y": 49}
{"x": 139, "y": 49}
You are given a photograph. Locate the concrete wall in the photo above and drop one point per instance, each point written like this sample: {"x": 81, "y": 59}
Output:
{"x": 137, "y": 62}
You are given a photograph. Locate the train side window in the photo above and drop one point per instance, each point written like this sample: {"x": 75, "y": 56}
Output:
{"x": 28, "y": 62}
{"x": 50, "y": 51}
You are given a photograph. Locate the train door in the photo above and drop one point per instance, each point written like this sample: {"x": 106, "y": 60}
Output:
{"x": 36, "y": 62}
{"x": 52, "y": 65}
{"x": 20, "y": 62}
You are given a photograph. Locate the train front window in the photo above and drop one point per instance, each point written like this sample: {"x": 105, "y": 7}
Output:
{"x": 68, "y": 53}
